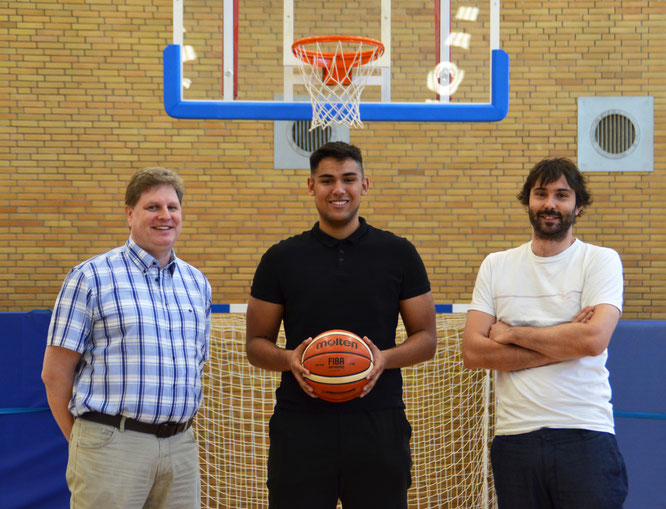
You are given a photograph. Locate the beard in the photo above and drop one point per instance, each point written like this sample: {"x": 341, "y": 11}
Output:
{"x": 551, "y": 229}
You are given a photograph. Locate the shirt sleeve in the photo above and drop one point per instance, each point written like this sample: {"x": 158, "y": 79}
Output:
{"x": 416, "y": 277}
{"x": 604, "y": 282}
{"x": 482, "y": 297}
{"x": 209, "y": 305}
{"x": 266, "y": 282}
{"x": 71, "y": 321}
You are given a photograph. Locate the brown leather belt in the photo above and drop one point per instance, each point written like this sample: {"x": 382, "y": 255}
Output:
{"x": 165, "y": 430}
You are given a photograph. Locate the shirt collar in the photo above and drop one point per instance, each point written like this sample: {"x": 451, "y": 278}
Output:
{"x": 145, "y": 260}
{"x": 329, "y": 241}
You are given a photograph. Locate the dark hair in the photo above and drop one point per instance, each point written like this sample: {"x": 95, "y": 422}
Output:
{"x": 338, "y": 150}
{"x": 550, "y": 170}
{"x": 147, "y": 178}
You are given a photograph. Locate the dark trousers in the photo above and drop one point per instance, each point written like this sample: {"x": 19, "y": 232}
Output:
{"x": 558, "y": 469}
{"x": 361, "y": 458}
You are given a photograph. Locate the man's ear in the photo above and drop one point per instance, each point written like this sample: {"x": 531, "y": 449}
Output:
{"x": 128, "y": 214}
{"x": 366, "y": 186}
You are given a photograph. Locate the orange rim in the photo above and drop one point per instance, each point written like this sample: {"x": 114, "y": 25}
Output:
{"x": 325, "y": 58}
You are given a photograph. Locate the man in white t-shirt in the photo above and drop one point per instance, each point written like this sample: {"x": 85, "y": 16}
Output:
{"x": 542, "y": 315}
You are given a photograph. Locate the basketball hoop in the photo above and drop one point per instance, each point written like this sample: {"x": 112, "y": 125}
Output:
{"x": 334, "y": 94}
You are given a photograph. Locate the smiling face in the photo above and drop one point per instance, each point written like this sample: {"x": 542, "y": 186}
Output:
{"x": 155, "y": 221}
{"x": 337, "y": 187}
{"x": 552, "y": 210}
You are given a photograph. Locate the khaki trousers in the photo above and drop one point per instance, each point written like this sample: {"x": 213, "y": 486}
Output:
{"x": 113, "y": 469}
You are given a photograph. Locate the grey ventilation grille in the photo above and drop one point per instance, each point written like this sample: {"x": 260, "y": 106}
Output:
{"x": 616, "y": 133}
{"x": 307, "y": 141}
{"x": 294, "y": 142}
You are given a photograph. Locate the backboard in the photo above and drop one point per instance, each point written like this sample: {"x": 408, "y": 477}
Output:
{"x": 232, "y": 59}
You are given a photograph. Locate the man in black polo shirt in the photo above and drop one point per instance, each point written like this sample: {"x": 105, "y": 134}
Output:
{"x": 342, "y": 274}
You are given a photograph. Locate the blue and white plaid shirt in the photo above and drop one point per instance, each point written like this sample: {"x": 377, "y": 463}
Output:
{"x": 142, "y": 332}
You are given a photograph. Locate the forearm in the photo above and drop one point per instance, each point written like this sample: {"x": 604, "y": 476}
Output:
{"x": 488, "y": 354}
{"x": 58, "y": 376}
{"x": 418, "y": 316}
{"x": 419, "y": 347}
{"x": 59, "y": 396}
{"x": 265, "y": 354}
{"x": 561, "y": 342}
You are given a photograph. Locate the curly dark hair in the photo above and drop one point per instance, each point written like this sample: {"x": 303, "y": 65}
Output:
{"x": 550, "y": 170}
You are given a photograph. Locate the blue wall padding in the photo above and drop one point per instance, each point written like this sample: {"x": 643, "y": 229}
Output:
{"x": 33, "y": 452}
{"x": 636, "y": 360}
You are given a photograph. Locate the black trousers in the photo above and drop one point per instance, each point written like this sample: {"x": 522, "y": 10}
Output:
{"x": 361, "y": 458}
{"x": 559, "y": 469}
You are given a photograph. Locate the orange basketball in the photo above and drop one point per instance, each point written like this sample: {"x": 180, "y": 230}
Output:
{"x": 338, "y": 362}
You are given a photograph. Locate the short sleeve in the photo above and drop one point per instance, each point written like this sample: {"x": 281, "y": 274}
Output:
{"x": 209, "y": 306}
{"x": 482, "y": 297}
{"x": 71, "y": 322}
{"x": 416, "y": 277}
{"x": 266, "y": 282}
{"x": 604, "y": 282}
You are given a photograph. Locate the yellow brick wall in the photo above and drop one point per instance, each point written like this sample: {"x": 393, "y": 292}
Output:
{"x": 81, "y": 109}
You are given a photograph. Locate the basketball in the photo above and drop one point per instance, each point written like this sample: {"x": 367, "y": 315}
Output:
{"x": 338, "y": 362}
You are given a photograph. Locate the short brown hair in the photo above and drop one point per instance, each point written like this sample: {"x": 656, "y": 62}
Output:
{"x": 147, "y": 178}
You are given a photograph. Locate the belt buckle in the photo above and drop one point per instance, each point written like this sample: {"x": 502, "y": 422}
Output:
{"x": 164, "y": 430}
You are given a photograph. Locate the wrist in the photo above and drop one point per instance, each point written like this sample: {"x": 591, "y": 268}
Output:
{"x": 517, "y": 335}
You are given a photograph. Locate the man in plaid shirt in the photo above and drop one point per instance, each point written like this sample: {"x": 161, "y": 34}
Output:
{"x": 125, "y": 352}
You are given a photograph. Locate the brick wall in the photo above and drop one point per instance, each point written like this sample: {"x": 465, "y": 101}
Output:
{"x": 81, "y": 103}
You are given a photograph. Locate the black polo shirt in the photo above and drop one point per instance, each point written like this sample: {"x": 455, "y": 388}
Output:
{"x": 355, "y": 284}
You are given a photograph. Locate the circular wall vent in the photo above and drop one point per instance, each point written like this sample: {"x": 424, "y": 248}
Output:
{"x": 305, "y": 141}
{"x": 614, "y": 134}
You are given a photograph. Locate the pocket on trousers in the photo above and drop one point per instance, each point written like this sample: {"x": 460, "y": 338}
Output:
{"x": 95, "y": 436}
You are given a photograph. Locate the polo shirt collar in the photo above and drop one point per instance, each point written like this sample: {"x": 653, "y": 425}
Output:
{"x": 329, "y": 241}
{"x": 144, "y": 260}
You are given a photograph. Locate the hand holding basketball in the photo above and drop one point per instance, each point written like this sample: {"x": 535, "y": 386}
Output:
{"x": 377, "y": 370}
{"x": 339, "y": 363}
{"x": 298, "y": 370}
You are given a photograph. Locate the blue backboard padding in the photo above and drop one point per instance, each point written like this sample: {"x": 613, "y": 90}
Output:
{"x": 177, "y": 107}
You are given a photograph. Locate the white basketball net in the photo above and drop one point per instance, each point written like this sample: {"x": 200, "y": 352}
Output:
{"x": 332, "y": 102}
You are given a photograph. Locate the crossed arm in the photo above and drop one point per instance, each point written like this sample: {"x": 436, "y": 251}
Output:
{"x": 491, "y": 344}
{"x": 263, "y": 325}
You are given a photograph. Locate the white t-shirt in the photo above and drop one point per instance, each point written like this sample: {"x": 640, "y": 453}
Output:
{"x": 522, "y": 289}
